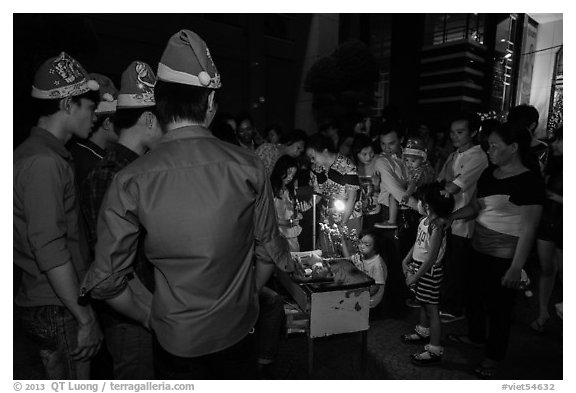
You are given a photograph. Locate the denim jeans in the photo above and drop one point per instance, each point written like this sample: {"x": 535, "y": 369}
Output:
{"x": 55, "y": 330}
{"x": 271, "y": 325}
{"x": 130, "y": 346}
{"x": 235, "y": 362}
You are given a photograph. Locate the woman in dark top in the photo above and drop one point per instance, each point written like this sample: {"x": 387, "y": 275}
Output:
{"x": 507, "y": 208}
{"x": 335, "y": 177}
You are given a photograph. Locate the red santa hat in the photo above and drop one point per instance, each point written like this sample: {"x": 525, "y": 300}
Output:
{"x": 108, "y": 94}
{"x": 137, "y": 86}
{"x": 187, "y": 60}
{"x": 415, "y": 148}
{"x": 61, "y": 77}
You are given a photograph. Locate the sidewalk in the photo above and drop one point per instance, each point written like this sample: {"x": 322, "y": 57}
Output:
{"x": 530, "y": 356}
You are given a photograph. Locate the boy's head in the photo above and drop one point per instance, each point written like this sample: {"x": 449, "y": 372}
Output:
{"x": 103, "y": 127}
{"x": 463, "y": 129}
{"x": 61, "y": 85}
{"x": 187, "y": 81}
{"x": 414, "y": 154}
{"x": 136, "y": 107}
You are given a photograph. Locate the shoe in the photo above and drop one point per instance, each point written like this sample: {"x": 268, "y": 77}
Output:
{"x": 462, "y": 339}
{"x": 413, "y": 303}
{"x": 385, "y": 225}
{"x": 447, "y": 317}
{"x": 426, "y": 358}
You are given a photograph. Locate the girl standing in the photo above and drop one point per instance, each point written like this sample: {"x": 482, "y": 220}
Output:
{"x": 423, "y": 269}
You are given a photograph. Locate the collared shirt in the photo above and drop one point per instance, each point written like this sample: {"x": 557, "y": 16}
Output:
{"x": 393, "y": 176}
{"x": 86, "y": 155}
{"x": 45, "y": 216}
{"x": 205, "y": 204}
{"x": 464, "y": 170}
{"x": 96, "y": 184}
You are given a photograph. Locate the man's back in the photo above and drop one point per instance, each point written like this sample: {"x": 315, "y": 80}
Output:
{"x": 203, "y": 202}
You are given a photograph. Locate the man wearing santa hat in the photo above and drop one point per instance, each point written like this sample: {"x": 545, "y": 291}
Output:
{"x": 208, "y": 212}
{"x": 135, "y": 121}
{"x": 46, "y": 237}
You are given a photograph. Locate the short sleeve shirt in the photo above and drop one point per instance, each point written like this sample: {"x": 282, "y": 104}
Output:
{"x": 499, "y": 222}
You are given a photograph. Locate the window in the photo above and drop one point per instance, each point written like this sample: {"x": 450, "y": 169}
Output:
{"x": 442, "y": 28}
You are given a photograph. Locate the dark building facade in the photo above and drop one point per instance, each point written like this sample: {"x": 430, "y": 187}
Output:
{"x": 259, "y": 55}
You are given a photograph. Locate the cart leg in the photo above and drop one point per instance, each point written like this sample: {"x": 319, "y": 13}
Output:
{"x": 364, "y": 351}
{"x": 310, "y": 355}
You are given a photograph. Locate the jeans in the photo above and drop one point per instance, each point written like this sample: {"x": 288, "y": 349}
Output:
{"x": 130, "y": 346}
{"x": 235, "y": 362}
{"x": 271, "y": 325}
{"x": 55, "y": 330}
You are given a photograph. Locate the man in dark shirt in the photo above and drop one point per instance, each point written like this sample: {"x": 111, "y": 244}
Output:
{"x": 129, "y": 343}
{"x": 46, "y": 238}
{"x": 87, "y": 153}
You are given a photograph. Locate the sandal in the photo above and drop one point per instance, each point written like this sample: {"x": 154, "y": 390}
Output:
{"x": 420, "y": 335}
{"x": 426, "y": 358}
{"x": 462, "y": 339}
{"x": 414, "y": 338}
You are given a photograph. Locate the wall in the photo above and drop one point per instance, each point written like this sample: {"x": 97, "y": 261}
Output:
{"x": 549, "y": 35}
{"x": 322, "y": 41}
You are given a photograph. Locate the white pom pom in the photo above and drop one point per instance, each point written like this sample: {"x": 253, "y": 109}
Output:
{"x": 93, "y": 85}
{"x": 204, "y": 78}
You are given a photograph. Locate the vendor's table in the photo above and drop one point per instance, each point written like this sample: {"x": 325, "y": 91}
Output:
{"x": 340, "y": 306}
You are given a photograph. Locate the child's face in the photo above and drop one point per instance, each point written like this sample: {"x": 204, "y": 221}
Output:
{"x": 273, "y": 136}
{"x": 422, "y": 208}
{"x": 366, "y": 155}
{"x": 366, "y": 246}
{"x": 412, "y": 162}
{"x": 289, "y": 175}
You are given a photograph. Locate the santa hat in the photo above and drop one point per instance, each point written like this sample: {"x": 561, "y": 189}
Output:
{"x": 61, "y": 77}
{"x": 137, "y": 86}
{"x": 187, "y": 60}
{"x": 108, "y": 94}
{"x": 415, "y": 148}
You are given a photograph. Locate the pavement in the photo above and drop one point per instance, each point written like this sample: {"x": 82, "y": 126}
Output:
{"x": 531, "y": 356}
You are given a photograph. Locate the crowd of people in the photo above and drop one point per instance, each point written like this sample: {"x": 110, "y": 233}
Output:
{"x": 147, "y": 221}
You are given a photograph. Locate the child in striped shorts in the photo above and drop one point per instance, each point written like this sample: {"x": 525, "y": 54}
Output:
{"x": 423, "y": 269}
